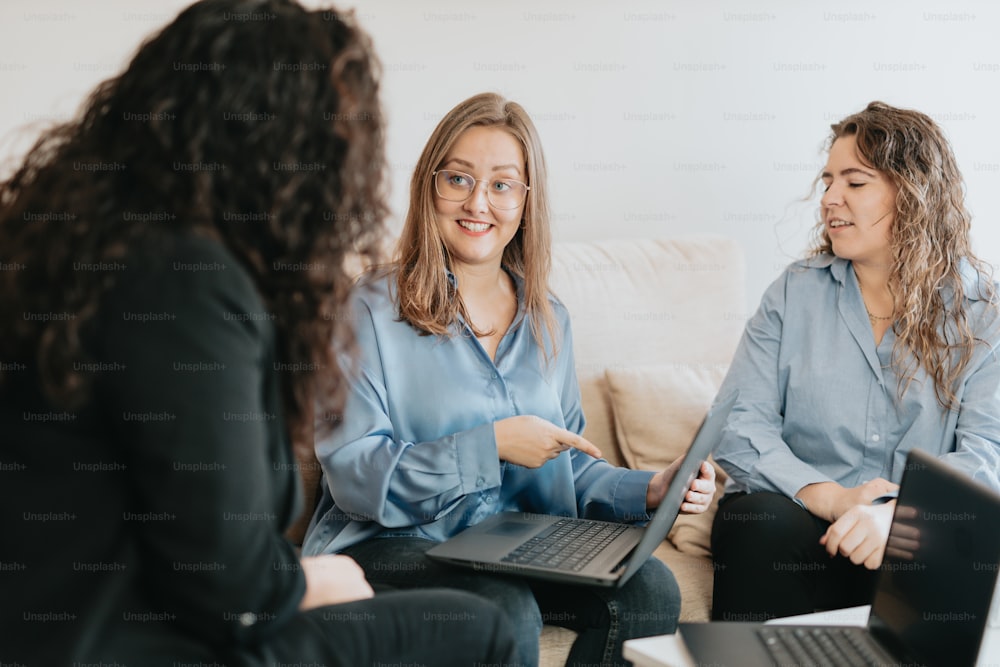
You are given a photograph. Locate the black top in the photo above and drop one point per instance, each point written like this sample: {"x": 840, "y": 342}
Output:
{"x": 150, "y": 522}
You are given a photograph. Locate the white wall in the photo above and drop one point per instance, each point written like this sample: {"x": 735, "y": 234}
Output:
{"x": 658, "y": 118}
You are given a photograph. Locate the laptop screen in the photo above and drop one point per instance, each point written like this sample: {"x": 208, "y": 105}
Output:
{"x": 707, "y": 437}
{"x": 940, "y": 566}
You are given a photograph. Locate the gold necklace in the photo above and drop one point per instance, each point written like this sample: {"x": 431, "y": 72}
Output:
{"x": 872, "y": 317}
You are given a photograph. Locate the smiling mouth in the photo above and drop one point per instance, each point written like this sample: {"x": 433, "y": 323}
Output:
{"x": 836, "y": 223}
{"x": 474, "y": 226}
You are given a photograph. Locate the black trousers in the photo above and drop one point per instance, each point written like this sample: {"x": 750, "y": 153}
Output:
{"x": 432, "y": 628}
{"x": 769, "y": 562}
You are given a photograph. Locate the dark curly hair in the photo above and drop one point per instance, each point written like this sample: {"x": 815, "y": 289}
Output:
{"x": 256, "y": 122}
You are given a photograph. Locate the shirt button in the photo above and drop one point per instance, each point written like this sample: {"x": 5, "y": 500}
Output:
{"x": 875, "y": 438}
{"x": 494, "y": 376}
{"x": 488, "y": 499}
{"x": 480, "y": 481}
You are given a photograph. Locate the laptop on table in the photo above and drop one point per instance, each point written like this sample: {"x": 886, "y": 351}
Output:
{"x": 932, "y": 598}
{"x": 582, "y": 551}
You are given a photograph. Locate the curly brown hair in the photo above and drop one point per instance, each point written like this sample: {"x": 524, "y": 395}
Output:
{"x": 929, "y": 241}
{"x": 237, "y": 111}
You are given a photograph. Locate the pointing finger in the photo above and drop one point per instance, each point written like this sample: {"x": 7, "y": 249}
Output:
{"x": 581, "y": 443}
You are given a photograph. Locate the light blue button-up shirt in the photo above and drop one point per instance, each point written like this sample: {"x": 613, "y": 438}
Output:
{"x": 819, "y": 399}
{"x": 416, "y": 453}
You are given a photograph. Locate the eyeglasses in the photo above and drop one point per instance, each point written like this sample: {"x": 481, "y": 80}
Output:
{"x": 502, "y": 193}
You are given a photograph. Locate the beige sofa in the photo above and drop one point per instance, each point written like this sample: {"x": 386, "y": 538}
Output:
{"x": 655, "y": 324}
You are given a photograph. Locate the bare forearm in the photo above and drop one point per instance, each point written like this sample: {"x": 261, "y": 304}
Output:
{"x": 821, "y": 499}
{"x": 829, "y": 500}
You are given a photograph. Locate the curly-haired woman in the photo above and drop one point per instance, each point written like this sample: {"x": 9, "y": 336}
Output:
{"x": 173, "y": 259}
{"x": 883, "y": 340}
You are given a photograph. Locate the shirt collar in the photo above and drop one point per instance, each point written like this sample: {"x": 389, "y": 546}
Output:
{"x": 837, "y": 266}
{"x": 973, "y": 283}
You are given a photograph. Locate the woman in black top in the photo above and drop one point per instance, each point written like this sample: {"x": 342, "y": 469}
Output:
{"x": 174, "y": 262}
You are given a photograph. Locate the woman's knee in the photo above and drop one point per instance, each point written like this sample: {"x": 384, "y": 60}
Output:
{"x": 762, "y": 522}
{"x": 650, "y": 603}
{"x": 515, "y": 597}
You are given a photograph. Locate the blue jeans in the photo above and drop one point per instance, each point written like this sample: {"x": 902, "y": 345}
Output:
{"x": 649, "y": 604}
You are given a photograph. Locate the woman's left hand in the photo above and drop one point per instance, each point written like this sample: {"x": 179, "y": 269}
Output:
{"x": 699, "y": 494}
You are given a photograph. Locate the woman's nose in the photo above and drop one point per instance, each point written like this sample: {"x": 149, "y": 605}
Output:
{"x": 832, "y": 196}
{"x": 478, "y": 199}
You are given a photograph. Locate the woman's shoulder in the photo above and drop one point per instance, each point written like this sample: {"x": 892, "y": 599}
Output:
{"x": 559, "y": 309}
{"x": 978, "y": 285}
{"x": 376, "y": 280}
{"x": 189, "y": 254}
{"x": 375, "y": 290}
{"x": 174, "y": 269}
{"x": 982, "y": 302}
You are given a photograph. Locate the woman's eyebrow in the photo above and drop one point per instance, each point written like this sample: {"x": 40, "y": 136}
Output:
{"x": 468, "y": 164}
{"x": 507, "y": 166}
{"x": 460, "y": 161}
{"x": 848, "y": 172}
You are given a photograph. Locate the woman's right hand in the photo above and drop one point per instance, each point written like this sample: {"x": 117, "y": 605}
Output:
{"x": 530, "y": 441}
{"x": 333, "y": 579}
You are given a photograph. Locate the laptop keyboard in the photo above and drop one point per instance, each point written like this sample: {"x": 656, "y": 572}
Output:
{"x": 567, "y": 544}
{"x": 819, "y": 646}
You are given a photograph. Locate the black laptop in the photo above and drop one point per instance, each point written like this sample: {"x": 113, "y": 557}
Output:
{"x": 933, "y": 594}
{"x": 582, "y": 551}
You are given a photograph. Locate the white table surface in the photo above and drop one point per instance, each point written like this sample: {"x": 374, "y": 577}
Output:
{"x": 669, "y": 650}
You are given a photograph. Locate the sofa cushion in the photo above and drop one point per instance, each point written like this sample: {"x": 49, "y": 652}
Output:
{"x": 694, "y": 576}
{"x": 657, "y": 411}
{"x": 636, "y": 302}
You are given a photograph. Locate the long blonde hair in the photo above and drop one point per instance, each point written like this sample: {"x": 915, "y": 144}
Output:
{"x": 929, "y": 242}
{"x": 426, "y": 298}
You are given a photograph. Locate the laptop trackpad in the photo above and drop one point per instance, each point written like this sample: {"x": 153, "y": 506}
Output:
{"x": 512, "y": 528}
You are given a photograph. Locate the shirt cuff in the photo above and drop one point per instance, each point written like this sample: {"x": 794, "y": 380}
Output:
{"x": 629, "y": 496}
{"x": 477, "y": 458}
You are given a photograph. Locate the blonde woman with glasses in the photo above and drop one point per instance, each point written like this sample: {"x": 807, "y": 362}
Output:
{"x": 465, "y": 402}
